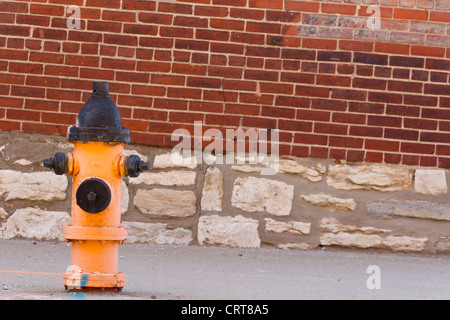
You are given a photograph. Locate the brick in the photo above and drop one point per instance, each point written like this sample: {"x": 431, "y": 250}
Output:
{"x": 266, "y": 4}
{"x": 47, "y": 10}
{"x": 103, "y": 3}
{"x": 12, "y": 30}
{"x": 404, "y": 86}
{"x": 320, "y": 19}
{"x": 61, "y": 71}
{"x": 133, "y": 77}
{"x": 352, "y": 45}
{"x": 292, "y": 125}
{"x": 298, "y": 54}
{"x": 302, "y": 6}
{"x": 263, "y": 27}
{"x": 27, "y": 91}
{"x": 120, "y": 16}
{"x": 348, "y": 94}
{"x": 366, "y": 131}
{"x": 403, "y": 110}
{"x": 328, "y": 104}
{"x": 13, "y": 6}
{"x": 392, "y": 48}
{"x": 410, "y": 14}
{"x": 18, "y": 67}
{"x": 312, "y": 91}
{"x": 427, "y": 51}
{"x": 434, "y": 137}
{"x": 297, "y": 77}
{"x": 334, "y": 56}
{"x": 90, "y": 73}
{"x": 156, "y": 42}
{"x": 438, "y": 89}
{"x": 438, "y": 64}
{"x": 416, "y": 123}
{"x": 249, "y": 14}
{"x": 109, "y": 63}
{"x": 401, "y": 134}
{"x": 377, "y": 84}
{"x": 385, "y": 97}
{"x": 330, "y": 128}
{"x": 227, "y": 24}
{"x": 261, "y": 75}
{"x": 327, "y": 80}
{"x": 383, "y": 145}
{"x": 346, "y": 142}
{"x": 384, "y": 121}
{"x": 440, "y": 16}
{"x": 26, "y": 115}
{"x": 434, "y": 113}
{"x": 155, "y": 18}
{"x": 370, "y": 58}
{"x": 319, "y": 44}
{"x": 406, "y": 61}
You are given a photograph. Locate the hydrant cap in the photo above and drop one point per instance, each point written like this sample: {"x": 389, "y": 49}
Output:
{"x": 99, "y": 119}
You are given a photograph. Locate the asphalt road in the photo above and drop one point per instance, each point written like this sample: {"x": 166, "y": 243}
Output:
{"x": 32, "y": 270}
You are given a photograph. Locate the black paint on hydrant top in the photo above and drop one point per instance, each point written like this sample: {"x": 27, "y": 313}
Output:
{"x": 99, "y": 119}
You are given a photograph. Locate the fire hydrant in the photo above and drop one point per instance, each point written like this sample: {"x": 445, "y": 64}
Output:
{"x": 97, "y": 165}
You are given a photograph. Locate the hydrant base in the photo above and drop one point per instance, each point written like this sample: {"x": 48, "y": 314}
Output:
{"x": 86, "y": 281}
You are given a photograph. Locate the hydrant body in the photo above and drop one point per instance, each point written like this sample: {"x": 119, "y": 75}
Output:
{"x": 97, "y": 165}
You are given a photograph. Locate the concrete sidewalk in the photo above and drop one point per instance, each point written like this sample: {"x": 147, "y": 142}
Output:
{"x": 32, "y": 270}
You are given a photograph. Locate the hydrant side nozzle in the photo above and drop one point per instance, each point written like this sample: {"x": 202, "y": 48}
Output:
{"x": 133, "y": 166}
{"x": 59, "y": 164}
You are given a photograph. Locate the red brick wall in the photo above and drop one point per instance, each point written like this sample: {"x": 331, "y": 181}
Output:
{"x": 312, "y": 69}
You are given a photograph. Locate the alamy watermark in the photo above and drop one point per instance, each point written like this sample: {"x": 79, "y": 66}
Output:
{"x": 229, "y": 148}
{"x": 374, "y": 280}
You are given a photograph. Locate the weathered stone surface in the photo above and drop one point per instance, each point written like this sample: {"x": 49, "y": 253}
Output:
{"x": 3, "y": 213}
{"x": 430, "y": 181}
{"x": 414, "y": 209}
{"x": 443, "y": 245}
{"x": 295, "y": 227}
{"x": 156, "y": 233}
{"x": 292, "y": 166}
{"x": 330, "y": 202}
{"x": 333, "y": 225}
{"x": 212, "y": 193}
{"x": 134, "y": 152}
{"x": 34, "y": 223}
{"x": 169, "y": 178}
{"x": 260, "y": 194}
{"x": 166, "y": 202}
{"x": 239, "y": 232}
{"x": 295, "y": 246}
{"x": 374, "y": 177}
{"x": 32, "y": 186}
{"x": 367, "y": 237}
{"x": 170, "y": 160}
{"x": 246, "y": 168}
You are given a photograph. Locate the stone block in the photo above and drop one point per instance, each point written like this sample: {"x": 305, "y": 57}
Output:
{"x": 169, "y": 178}
{"x": 238, "y": 232}
{"x": 156, "y": 233}
{"x": 367, "y": 237}
{"x": 252, "y": 194}
{"x": 330, "y": 202}
{"x": 34, "y": 223}
{"x": 432, "y": 182}
{"x": 166, "y": 202}
{"x": 294, "y": 227}
{"x": 212, "y": 192}
{"x": 374, "y": 177}
{"x": 413, "y": 209}
{"x": 174, "y": 160}
{"x": 32, "y": 186}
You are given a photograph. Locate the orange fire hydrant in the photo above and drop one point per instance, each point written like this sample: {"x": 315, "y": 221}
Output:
{"x": 97, "y": 165}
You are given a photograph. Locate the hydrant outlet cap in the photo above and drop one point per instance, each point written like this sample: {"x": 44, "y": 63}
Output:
{"x": 99, "y": 119}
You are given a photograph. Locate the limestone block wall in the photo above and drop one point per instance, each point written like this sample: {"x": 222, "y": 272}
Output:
{"x": 308, "y": 204}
